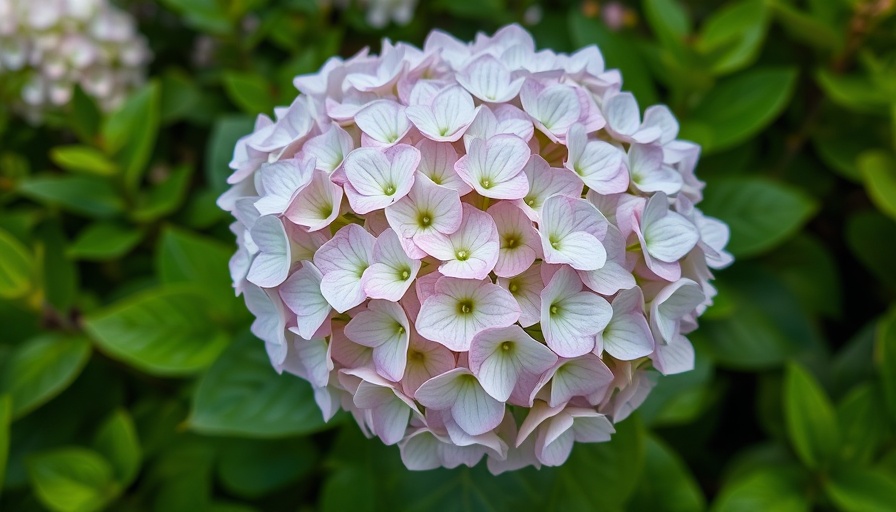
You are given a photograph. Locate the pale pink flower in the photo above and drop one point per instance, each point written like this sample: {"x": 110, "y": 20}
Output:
{"x": 413, "y": 240}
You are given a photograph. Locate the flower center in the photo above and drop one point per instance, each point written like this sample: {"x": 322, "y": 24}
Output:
{"x": 513, "y": 287}
{"x": 507, "y": 345}
{"x": 405, "y": 274}
{"x": 416, "y": 355}
{"x": 530, "y": 201}
{"x": 465, "y": 307}
{"x": 486, "y": 183}
{"x": 424, "y": 219}
{"x": 389, "y": 190}
{"x": 555, "y": 309}
{"x": 511, "y": 241}
{"x": 462, "y": 255}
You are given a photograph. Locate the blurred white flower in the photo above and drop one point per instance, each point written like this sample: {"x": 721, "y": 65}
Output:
{"x": 47, "y": 47}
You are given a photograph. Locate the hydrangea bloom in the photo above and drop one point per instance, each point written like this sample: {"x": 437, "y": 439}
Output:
{"x": 47, "y": 47}
{"x": 478, "y": 250}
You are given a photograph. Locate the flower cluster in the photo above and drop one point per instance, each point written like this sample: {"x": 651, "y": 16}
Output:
{"x": 476, "y": 249}
{"x": 47, "y": 47}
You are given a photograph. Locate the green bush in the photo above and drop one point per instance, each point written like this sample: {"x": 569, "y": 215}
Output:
{"x": 129, "y": 381}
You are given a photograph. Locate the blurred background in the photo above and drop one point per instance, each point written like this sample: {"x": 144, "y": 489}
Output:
{"x": 128, "y": 378}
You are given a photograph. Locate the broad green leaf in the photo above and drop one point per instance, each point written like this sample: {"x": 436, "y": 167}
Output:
{"x": 732, "y": 36}
{"x": 804, "y": 27}
{"x": 771, "y": 489}
{"x": 854, "y": 361}
{"x": 183, "y": 476}
{"x": 807, "y": 267}
{"x": 88, "y": 195}
{"x": 862, "y": 427}
{"x": 98, "y": 390}
{"x": 619, "y": 51}
{"x": 205, "y": 15}
{"x": 368, "y": 476}
{"x": 885, "y": 359}
{"x": 16, "y": 267}
{"x": 5, "y": 421}
{"x": 855, "y": 92}
{"x": 83, "y": 159}
{"x": 811, "y": 422}
{"x": 164, "y": 197}
{"x": 72, "y": 480}
{"x": 180, "y": 95}
{"x": 184, "y": 257}
{"x": 766, "y": 326}
{"x": 739, "y": 107}
{"x": 613, "y": 470}
{"x": 59, "y": 274}
{"x": 42, "y": 368}
{"x": 117, "y": 442}
{"x": 761, "y": 213}
{"x": 679, "y": 399}
{"x": 225, "y": 133}
{"x": 130, "y": 132}
{"x": 254, "y": 467}
{"x": 242, "y": 395}
{"x": 84, "y": 117}
{"x": 872, "y": 239}
{"x": 668, "y": 20}
{"x": 666, "y": 484}
{"x": 101, "y": 241}
{"x": 879, "y": 173}
{"x": 165, "y": 331}
{"x": 250, "y": 92}
{"x": 862, "y": 490}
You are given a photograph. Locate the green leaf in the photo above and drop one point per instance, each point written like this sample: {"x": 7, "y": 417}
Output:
{"x": 863, "y": 429}
{"x": 102, "y": 241}
{"x": 5, "y": 421}
{"x": 668, "y": 20}
{"x": 803, "y": 27}
{"x": 254, "y": 467}
{"x": 42, "y": 368}
{"x": 761, "y": 213}
{"x": 666, "y": 485}
{"x": 117, "y": 442}
{"x": 619, "y": 51}
{"x": 59, "y": 274}
{"x": 225, "y": 133}
{"x": 16, "y": 267}
{"x": 879, "y": 173}
{"x": 613, "y": 471}
{"x": 739, "y": 107}
{"x": 242, "y": 395}
{"x": 72, "y": 480}
{"x": 180, "y": 95}
{"x": 83, "y": 159}
{"x": 733, "y": 35}
{"x": 885, "y": 359}
{"x": 765, "y": 327}
{"x": 855, "y": 92}
{"x": 165, "y": 197}
{"x": 250, "y": 92}
{"x": 84, "y": 117}
{"x": 130, "y": 132}
{"x": 810, "y": 271}
{"x": 185, "y": 257}
{"x": 811, "y": 423}
{"x": 862, "y": 490}
{"x": 88, "y": 195}
{"x": 872, "y": 238}
{"x": 771, "y": 489}
{"x": 165, "y": 331}
{"x": 205, "y": 15}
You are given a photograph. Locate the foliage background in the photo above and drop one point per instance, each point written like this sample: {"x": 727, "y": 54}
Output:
{"x": 128, "y": 379}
